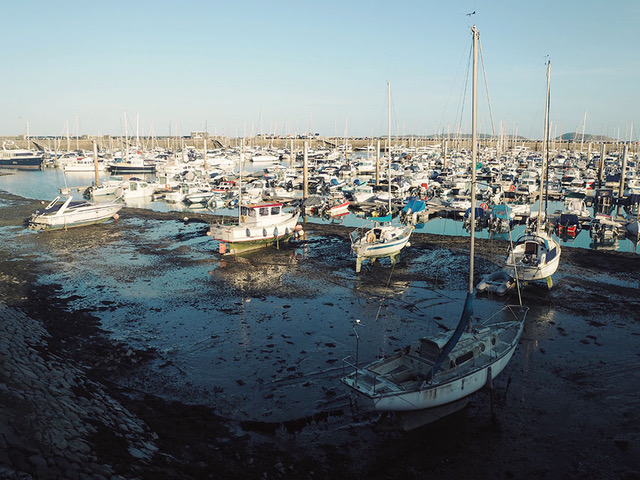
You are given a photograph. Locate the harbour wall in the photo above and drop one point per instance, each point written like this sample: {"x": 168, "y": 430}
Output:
{"x": 174, "y": 143}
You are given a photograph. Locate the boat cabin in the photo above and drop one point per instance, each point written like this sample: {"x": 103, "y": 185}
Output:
{"x": 534, "y": 245}
{"x": 261, "y": 214}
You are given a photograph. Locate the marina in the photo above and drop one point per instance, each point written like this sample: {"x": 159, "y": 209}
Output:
{"x": 443, "y": 204}
{"x": 261, "y": 337}
{"x": 233, "y": 251}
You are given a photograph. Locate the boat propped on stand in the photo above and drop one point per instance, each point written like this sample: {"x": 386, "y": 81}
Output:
{"x": 435, "y": 375}
{"x": 258, "y": 225}
{"x": 536, "y": 256}
{"x": 383, "y": 240}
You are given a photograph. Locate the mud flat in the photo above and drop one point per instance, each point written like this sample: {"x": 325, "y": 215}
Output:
{"x": 88, "y": 388}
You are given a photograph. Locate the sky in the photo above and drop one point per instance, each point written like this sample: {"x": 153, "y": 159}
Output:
{"x": 240, "y": 68}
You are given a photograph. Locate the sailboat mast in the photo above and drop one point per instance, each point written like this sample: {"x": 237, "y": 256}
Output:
{"x": 389, "y": 141}
{"x": 545, "y": 154}
{"x": 240, "y": 182}
{"x": 474, "y": 151}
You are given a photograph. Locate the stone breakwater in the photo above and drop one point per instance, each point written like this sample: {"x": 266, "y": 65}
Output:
{"x": 52, "y": 414}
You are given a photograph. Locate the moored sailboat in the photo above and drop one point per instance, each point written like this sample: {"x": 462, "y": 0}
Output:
{"x": 536, "y": 256}
{"x": 440, "y": 371}
{"x": 383, "y": 239}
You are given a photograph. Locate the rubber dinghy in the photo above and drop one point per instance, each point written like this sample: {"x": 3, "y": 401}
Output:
{"x": 499, "y": 282}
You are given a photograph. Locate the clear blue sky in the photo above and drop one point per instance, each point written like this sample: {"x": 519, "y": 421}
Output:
{"x": 242, "y": 67}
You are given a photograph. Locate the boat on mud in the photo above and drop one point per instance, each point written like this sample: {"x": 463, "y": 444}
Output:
{"x": 67, "y": 214}
{"x": 441, "y": 371}
{"x": 257, "y": 226}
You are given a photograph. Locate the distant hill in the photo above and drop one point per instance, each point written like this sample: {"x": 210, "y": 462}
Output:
{"x": 588, "y": 137}
{"x": 481, "y": 136}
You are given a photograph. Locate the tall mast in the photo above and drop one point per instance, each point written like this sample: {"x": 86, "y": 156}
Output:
{"x": 545, "y": 155}
{"x": 389, "y": 141}
{"x": 474, "y": 151}
{"x": 240, "y": 182}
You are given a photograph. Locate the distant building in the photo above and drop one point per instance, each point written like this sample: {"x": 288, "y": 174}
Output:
{"x": 199, "y": 135}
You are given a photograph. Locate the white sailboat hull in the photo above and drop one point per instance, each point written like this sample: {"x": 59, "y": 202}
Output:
{"x": 447, "y": 393}
{"x": 393, "y": 384}
{"x": 378, "y": 247}
{"x": 534, "y": 257}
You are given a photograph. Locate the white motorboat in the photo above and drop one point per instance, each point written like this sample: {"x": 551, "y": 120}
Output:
{"x": 83, "y": 164}
{"x": 108, "y": 187}
{"x": 135, "y": 188}
{"x": 197, "y": 192}
{"x": 442, "y": 371}
{"x": 72, "y": 214}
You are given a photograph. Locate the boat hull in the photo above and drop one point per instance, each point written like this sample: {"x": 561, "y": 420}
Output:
{"x": 123, "y": 169}
{"x": 34, "y": 163}
{"x": 536, "y": 263}
{"x": 244, "y": 237}
{"x": 447, "y": 393}
{"x": 73, "y": 218}
{"x": 527, "y": 273}
{"x": 372, "y": 250}
{"x": 378, "y": 382}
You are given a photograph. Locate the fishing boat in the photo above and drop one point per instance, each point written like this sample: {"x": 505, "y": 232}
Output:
{"x": 68, "y": 214}
{"x": 383, "y": 239}
{"x": 258, "y": 225}
{"x": 440, "y": 371}
{"x": 536, "y": 255}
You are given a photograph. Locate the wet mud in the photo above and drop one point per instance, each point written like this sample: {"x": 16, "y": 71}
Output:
{"x": 234, "y": 362}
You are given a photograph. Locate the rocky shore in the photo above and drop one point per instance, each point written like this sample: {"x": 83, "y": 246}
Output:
{"x": 568, "y": 408}
{"x": 52, "y": 412}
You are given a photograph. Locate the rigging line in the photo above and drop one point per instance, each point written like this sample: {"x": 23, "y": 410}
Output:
{"x": 384, "y": 292}
{"x": 464, "y": 90}
{"x": 446, "y": 105}
{"x": 515, "y": 268}
{"x": 486, "y": 86}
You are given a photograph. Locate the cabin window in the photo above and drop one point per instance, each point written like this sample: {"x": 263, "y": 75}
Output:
{"x": 264, "y": 212}
{"x": 464, "y": 358}
{"x": 530, "y": 248}
{"x": 275, "y": 210}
